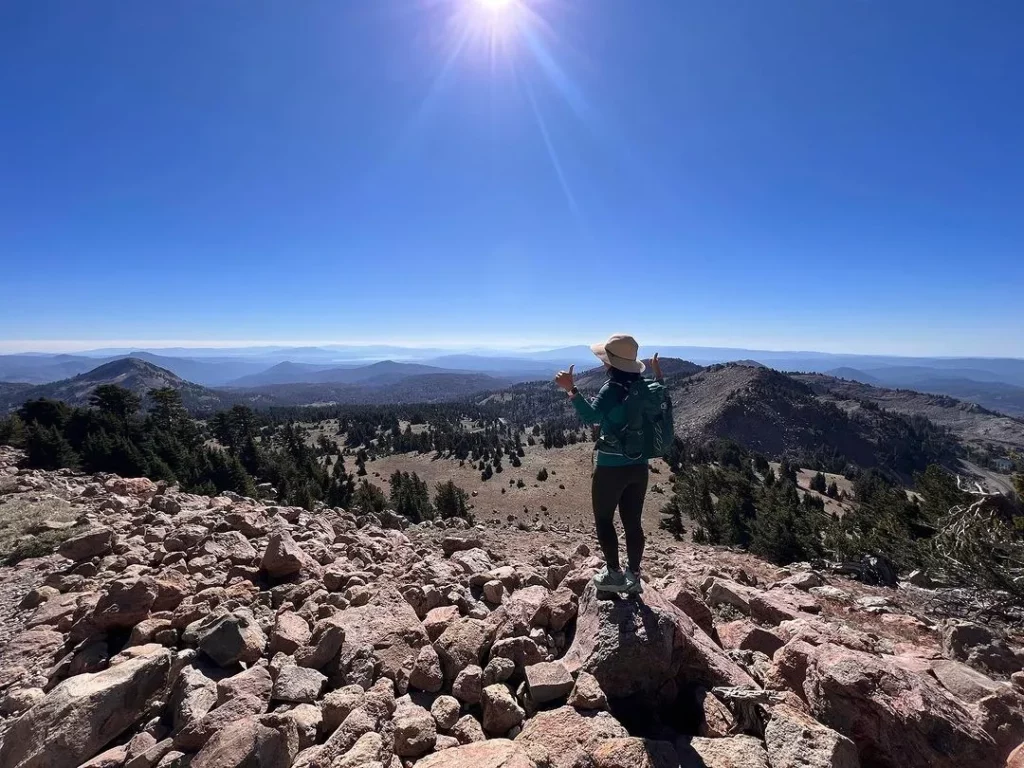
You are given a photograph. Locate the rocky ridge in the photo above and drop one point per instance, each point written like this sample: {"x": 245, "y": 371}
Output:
{"x": 176, "y": 630}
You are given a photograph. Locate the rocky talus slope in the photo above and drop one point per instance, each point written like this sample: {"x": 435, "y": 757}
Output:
{"x": 176, "y": 630}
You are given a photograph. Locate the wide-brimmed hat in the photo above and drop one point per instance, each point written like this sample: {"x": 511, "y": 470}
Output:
{"x": 620, "y": 352}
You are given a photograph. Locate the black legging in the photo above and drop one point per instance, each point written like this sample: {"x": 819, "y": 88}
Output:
{"x": 622, "y": 487}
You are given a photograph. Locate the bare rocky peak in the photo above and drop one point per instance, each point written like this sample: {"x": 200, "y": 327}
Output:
{"x": 172, "y": 630}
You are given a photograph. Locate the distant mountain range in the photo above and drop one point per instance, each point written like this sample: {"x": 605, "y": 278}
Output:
{"x": 996, "y": 384}
{"x": 803, "y": 416}
{"x": 131, "y": 373}
{"x": 809, "y": 416}
{"x": 972, "y": 384}
{"x": 385, "y": 382}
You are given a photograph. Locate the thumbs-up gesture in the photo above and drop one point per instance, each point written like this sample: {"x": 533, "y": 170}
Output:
{"x": 655, "y": 367}
{"x": 564, "y": 379}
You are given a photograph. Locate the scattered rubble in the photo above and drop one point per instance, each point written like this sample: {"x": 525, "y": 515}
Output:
{"x": 173, "y": 630}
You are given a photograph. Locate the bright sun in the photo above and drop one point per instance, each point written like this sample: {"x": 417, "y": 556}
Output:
{"x": 495, "y": 5}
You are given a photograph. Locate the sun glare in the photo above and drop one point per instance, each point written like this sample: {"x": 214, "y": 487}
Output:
{"x": 495, "y": 5}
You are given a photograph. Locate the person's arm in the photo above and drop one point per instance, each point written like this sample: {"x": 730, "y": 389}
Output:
{"x": 590, "y": 411}
{"x": 656, "y": 368}
{"x": 593, "y": 411}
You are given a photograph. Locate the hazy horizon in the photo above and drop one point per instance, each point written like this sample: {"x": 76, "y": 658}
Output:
{"x": 440, "y": 347}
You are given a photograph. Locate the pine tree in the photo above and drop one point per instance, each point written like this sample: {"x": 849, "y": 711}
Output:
{"x": 117, "y": 401}
{"x": 167, "y": 411}
{"x": 819, "y": 483}
{"x": 369, "y": 499}
{"x": 342, "y": 486}
{"x": 787, "y": 472}
{"x": 410, "y": 498}
{"x": 694, "y": 499}
{"x": 833, "y": 490}
{"x": 45, "y": 413}
{"x": 12, "y": 430}
{"x": 782, "y": 531}
{"x": 543, "y": 474}
{"x": 47, "y": 448}
{"x": 451, "y": 501}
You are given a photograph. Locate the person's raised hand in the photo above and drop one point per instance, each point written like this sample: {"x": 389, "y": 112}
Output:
{"x": 564, "y": 379}
{"x": 656, "y": 366}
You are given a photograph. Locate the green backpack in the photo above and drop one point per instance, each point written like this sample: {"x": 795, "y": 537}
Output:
{"x": 648, "y": 431}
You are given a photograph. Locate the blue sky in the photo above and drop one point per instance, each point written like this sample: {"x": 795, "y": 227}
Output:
{"x": 841, "y": 175}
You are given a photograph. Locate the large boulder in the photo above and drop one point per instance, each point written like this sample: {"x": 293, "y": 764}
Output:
{"x": 496, "y": 753}
{"x": 979, "y": 646}
{"x": 248, "y": 743}
{"x": 642, "y": 647}
{"x": 789, "y": 667}
{"x": 635, "y": 753}
{"x": 298, "y": 685}
{"x": 782, "y": 604}
{"x": 688, "y": 599}
{"x": 587, "y": 693}
{"x": 83, "y": 714}
{"x": 388, "y": 625}
{"x": 290, "y": 633}
{"x": 193, "y": 694}
{"x": 796, "y": 740}
{"x": 501, "y": 712}
{"x": 548, "y": 681}
{"x": 897, "y": 718}
{"x": 965, "y": 683}
{"x": 124, "y": 603}
{"x": 729, "y": 752}
{"x": 445, "y": 710}
{"x": 745, "y": 635}
{"x": 282, "y": 557}
{"x": 452, "y": 544}
{"x": 232, "y": 638}
{"x": 415, "y": 730}
{"x": 464, "y": 643}
{"x": 94, "y": 542}
{"x": 521, "y": 612}
{"x": 324, "y": 645}
{"x": 565, "y": 738}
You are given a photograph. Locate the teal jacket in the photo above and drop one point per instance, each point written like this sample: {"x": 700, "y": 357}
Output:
{"x": 607, "y": 410}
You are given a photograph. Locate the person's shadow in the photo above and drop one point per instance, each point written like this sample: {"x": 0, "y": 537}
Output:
{"x": 628, "y": 613}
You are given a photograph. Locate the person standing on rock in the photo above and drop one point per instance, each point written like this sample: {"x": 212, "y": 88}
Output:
{"x": 635, "y": 419}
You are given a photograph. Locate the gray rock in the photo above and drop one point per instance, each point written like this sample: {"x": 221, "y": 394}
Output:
{"x": 233, "y": 638}
{"x": 85, "y": 712}
{"x": 796, "y": 740}
{"x": 298, "y": 684}
{"x": 94, "y": 542}
{"x": 468, "y": 685}
{"x": 445, "y": 710}
{"x": 729, "y": 752}
{"x": 415, "y": 730}
{"x": 587, "y": 693}
{"x": 468, "y": 730}
{"x": 501, "y": 712}
{"x": 548, "y": 681}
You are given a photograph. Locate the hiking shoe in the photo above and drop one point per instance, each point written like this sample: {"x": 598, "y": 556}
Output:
{"x": 610, "y": 581}
{"x": 633, "y": 584}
